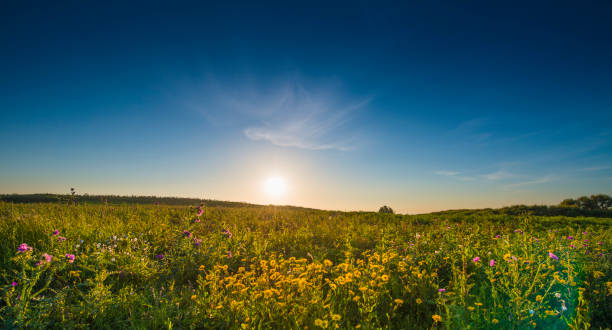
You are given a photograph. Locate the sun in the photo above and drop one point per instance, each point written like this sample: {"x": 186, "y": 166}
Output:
{"x": 275, "y": 186}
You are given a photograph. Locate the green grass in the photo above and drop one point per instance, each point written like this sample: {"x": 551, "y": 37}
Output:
{"x": 300, "y": 268}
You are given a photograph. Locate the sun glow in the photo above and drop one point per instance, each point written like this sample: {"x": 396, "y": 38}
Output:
{"x": 275, "y": 186}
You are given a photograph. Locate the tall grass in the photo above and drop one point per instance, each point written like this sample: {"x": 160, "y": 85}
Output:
{"x": 266, "y": 267}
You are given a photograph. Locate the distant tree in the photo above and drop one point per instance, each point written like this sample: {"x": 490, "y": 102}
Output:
{"x": 570, "y": 202}
{"x": 385, "y": 209}
{"x": 601, "y": 201}
{"x": 586, "y": 203}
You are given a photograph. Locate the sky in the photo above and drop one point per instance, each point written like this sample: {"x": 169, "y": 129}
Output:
{"x": 422, "y": 106}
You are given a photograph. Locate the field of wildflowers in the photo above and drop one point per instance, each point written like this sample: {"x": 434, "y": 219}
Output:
{"x": 156, "y": 266}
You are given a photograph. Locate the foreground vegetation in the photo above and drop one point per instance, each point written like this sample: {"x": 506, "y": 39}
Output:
{"x": 154, "y": 266}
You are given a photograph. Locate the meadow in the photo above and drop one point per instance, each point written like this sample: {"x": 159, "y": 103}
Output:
{"x": 156, "y": 266}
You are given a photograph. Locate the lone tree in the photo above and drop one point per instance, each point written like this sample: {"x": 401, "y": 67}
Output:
{"x": 385, "y": 209}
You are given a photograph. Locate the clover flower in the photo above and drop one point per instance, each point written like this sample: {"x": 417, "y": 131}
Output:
{"x": 553, "y": 256}
{"x": 23, "y": 247}
{"x": 159, "y": 256}
{"x": 442, "y": 290}
{"x": 476, "y": 259}
{"x": 46, "y": 259}
{"x": 70, "y": 257}
{"x": 492, "y": 262}
{"x": 14, "y": 284}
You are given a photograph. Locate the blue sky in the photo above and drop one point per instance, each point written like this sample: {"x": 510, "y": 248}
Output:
{"x": 425, "y": 106}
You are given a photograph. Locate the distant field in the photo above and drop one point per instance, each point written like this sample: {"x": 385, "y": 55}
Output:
{"x": 159, "y": 266}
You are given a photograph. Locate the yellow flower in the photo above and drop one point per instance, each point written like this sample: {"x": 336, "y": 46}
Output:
{"x": 549, "y": 312}
{"x": 419, "y": 301}
{"x": 478, "y": 304}
{"x": 398, "y": 301}
{"x": 437, "y": 318}
{"x": 385, "y": 277}
{"x": 495, "y": 321}
{"x": 336, "y": 317}
{"x": 356, "y": 298}
{"x": 194, "y": 297}
{"x": 470, "y": 308}
{"x": 201, "y": 268}
{"x": 327, "y": 263}
{"x": 318, "y": 323}
{"x": 539, "y": 298}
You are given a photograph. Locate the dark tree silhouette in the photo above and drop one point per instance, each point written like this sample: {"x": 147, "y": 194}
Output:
{"x": 385, "y": 209}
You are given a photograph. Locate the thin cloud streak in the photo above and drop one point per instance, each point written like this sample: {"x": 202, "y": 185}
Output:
{"x": 287, "y": 113}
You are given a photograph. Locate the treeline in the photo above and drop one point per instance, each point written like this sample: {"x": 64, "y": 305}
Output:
{"x": 115, "y": 199}
{"x": 599, "y": 206}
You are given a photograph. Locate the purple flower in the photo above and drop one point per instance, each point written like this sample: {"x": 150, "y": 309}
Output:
{"x": 46, "y": 259}
{"x": 572, "y": 246}
{"x": 23, "y": 247}
{"x": 70, "y": 257}
{"x": 229, "y": 253}
{"x": 159, "y": 256}
{"x": 197, "y": 241}
{"x": 491, "y": 262}
{"x": 61, "y": 238}
{"x": 476, "y": 259}
{"x": 187, "y": 234}
{"x": 442, "y": 290}
{"x": 200, "y": 210}
{"x": 570, "y": 237}
{"x": 14, "y": 284}
{"x": 56, "y": 232}
{"x": 496, "y": 236}
{"x": 553, "y": 256}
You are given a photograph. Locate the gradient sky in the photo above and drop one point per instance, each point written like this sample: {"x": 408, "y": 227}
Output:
{"x": 428, "y": 106}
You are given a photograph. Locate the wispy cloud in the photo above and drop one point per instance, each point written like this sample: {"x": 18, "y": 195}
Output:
{"x": 288, "y": 113}
{"x": 595, "y": 168}
{"x": 536, "y": 181}
{"x": 471, "y": 132}
{"x": 455, "y": 175}
{"x": 499, "y": 175}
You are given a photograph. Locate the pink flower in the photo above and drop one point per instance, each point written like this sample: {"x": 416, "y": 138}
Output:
{"x": 476, "y": 259}
{"x": 186, "y": 233}
{"x": 442, "y": 290}
{"x": 46, "y": 259}
{"x": 61, "y": 238}
{"x": 56, "y": 232}
{"x": 553, "y": 256}
{"x": 491, "y": 262}
{"x": 23, "y": 247}
{"x": 14, "y": 284}
{"x": 229, "y": 253}
{"x": 70, "y": 257}
{"x": 197, "y": 241}
{"x": 496, "y": 236}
